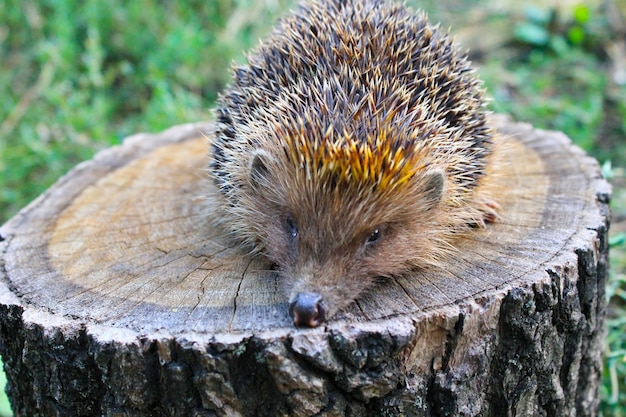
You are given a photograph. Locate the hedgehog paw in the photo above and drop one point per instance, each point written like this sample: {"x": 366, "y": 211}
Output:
{"x": 489, "y": 212}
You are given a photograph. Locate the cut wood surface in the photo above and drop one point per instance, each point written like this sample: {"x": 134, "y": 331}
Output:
{"x": 117, "y": 267}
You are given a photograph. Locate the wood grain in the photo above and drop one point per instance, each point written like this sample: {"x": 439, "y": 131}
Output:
{"x": 133, "y": 245}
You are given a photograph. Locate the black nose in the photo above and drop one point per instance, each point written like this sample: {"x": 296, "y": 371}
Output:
{"x": 308, "y": 309}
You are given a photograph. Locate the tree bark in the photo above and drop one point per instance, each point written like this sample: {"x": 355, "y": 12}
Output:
{"x": 117, "y": 299}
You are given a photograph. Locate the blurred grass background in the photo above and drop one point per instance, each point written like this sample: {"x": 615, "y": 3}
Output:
{"x": 77, "y": 77}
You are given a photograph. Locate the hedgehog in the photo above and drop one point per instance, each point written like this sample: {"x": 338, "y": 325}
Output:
{"x": 353, "y": 146}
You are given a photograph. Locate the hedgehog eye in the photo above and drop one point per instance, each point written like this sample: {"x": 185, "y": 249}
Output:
{"x": 374, "y": 237}
{"x": 292, "y": 228}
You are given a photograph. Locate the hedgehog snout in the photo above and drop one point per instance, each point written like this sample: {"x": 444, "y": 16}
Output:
{"x": 308, "y": 309}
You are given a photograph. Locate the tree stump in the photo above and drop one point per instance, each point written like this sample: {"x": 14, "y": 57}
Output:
{"x": 117, "y": 299}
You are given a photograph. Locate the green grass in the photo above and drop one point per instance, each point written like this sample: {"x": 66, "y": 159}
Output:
{"x": 613, "y": 390}
{"x": 77, "y": 77}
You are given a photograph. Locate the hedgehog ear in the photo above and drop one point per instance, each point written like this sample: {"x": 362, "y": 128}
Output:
{"x": 432, "y": 185}
{"x": 259, "y": 170}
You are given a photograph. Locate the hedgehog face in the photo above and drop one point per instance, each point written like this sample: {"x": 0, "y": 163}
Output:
{"x": 331, "y": 242}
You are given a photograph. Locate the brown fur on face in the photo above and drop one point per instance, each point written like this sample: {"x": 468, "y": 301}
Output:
{"x": 353, "y": 145}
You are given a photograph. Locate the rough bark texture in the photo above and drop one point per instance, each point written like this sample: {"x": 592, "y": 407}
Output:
{"x": 117, "y": 300}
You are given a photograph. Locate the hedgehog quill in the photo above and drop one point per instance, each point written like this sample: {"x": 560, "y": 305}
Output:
{"x": 353, "y": 145}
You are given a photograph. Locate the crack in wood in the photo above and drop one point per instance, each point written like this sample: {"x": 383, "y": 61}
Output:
{"x": 243, "y": 276}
